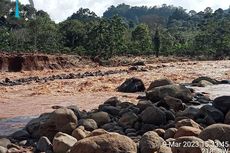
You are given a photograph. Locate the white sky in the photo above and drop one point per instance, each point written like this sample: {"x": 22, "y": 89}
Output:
{"x": 59, "y": 10}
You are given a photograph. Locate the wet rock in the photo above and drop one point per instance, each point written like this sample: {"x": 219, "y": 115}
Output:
{"x": 219, "y": 132}
{"x": 147, "y": 127}
{"x": 20, "y": 135}
{"x": 204, "y": 78}
{"x": 225, "y": 82}
{"x": 89, "y": 124}
{"x": 189, "y": 112}
{"x": 176, "y": 91}
{"x": 4, "y": 142}
{"x": 44, "y": 145}
{"x": 204, "y": 83}
{"x": 222, "y": 103}
{"x": 63, "y": 142}
{"x": 143, "y": 104}
{"x": 160, "y": 82}
{"x": 100, "y": 117}
{"x": 169, "y": 133}
{"x": 110, "y": 109}
{"x": 173, "y": 103}
{"x": 128, "y": 119}
{"x": 105, "y": 143}
{"x": 153, "y": 115}
{"x": 113, "y": 101}
{"x": 150, "y": 142}
{"x": 109, "y": 126}
{"x": 132, "y": 85}
{"x": 211, "y": 113}
{"x": 79, "y": 134}
{"x": 202, "y": 98}
{"x": 36, "y": 126}
{"x": 187, "y": 131}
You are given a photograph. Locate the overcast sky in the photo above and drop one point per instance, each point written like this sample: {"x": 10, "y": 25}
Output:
{"x": 59, "y": 10}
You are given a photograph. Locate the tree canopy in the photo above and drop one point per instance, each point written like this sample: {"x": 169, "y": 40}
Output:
{"x": 123, "y": 29}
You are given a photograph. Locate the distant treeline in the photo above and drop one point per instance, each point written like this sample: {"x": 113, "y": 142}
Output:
{"x": 123, "y": 29}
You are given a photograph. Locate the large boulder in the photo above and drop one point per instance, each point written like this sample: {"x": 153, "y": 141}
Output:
{"x": 158, "y": 83}
{"x": 20, "y": 135}
{"x": 132, "y": 85}
{"x": 176, "y": 91}
{"x": 65, "y": 120}
{"x": 222, "y": 103}
{"x": 153, "y": 115}
{"x": 61, "y": 120}
{"x": 63, "y": 142}
{"x": 219, "y": 132}
{"x": 209, "y": 112}
{"x": 105, "y": 143}
{"x": 101, "y": 118}
{"x": 187, "y": 131}
{"x": 150, "y": 142}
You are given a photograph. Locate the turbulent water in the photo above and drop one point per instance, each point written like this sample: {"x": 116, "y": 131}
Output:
{"x": 8, "y": 126}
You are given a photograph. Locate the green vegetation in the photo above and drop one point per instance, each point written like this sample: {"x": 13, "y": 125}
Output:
{"x": 165, "y": 30}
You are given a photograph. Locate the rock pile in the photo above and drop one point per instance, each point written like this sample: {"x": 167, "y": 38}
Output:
{"x": 163, "y": 122}
{"x": 29, "y": 80}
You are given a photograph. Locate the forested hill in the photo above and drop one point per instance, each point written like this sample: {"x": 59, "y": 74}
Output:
{"x": 123, "y": 29}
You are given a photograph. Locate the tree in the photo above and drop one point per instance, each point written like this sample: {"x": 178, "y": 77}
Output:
{"x": 156, "y": 41}
{"x": 142, "y": 39}
{"x": 44, "y": 33}
{"x": 73, "y": 33}
{"x": 107, "y": 38}
{"x": 84, "y": 15}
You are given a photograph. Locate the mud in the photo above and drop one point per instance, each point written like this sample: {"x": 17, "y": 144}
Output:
{"x": 36, "y": 98}
{"x": 17, "y": 62}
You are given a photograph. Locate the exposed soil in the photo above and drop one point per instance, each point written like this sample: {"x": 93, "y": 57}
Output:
{"x": 88, "y": 93}
{"x": 17, "y": 62}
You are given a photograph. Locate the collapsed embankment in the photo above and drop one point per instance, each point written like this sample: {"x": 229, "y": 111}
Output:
{"x": 17, "y": 62}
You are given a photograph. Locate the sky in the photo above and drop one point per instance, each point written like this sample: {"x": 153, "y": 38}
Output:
{"x": 59, "y": 10}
